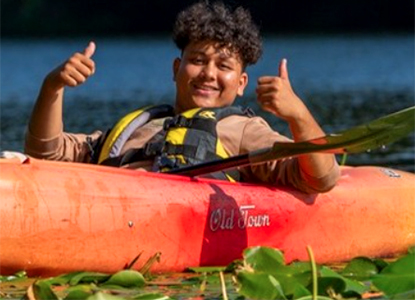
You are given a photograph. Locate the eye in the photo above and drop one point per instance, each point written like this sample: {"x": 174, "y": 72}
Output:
{"x": 197, "y": 60}
{"x": 225, "y": 66}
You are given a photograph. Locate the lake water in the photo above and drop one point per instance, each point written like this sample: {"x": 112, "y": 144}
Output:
{"x": 345, "y": 81}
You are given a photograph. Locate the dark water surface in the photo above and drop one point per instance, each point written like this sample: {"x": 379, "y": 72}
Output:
{"x": 344, "y": 80}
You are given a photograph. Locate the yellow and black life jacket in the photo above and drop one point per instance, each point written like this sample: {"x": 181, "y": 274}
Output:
{"x": 186, "y": 139}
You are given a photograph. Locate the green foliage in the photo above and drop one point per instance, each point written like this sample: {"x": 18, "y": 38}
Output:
{"x": 263, "y": 265}
{"x": 259, "y": 286}
{"x": 263, "y": 259}
{"x": 16, "y": 276}
{"x": 79, "y": 292}
{"x": 351, "y": 286}
{"x": 269, "y": 263}
{"x": 155, "y": 296}
{"x": 206, "y": 269}
{"x": 103, "y": 296}
{"x": 260, "y": 274}
{"x": 314, "y": 298}
{"x": 360, "y": 268}
{"x": 88, "y": 277}
{"x": 265, "y": 276}
{"x": 398, "y": 279}
{"x": 126, "y": 278}
{"x": 42, "y": 290}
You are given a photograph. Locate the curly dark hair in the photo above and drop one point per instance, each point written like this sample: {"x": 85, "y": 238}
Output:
{"x": 206, "y": 21}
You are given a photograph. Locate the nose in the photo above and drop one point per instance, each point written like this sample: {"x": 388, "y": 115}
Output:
{"x": 208, "y": 72}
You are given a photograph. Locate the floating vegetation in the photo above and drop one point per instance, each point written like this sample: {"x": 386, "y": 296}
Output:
{"x": 260, "y": 274}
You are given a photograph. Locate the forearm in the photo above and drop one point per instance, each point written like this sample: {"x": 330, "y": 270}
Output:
{"x": 46, "y": 119}
{"x": 316, "y": 165}
{"x": 44, "y": 133}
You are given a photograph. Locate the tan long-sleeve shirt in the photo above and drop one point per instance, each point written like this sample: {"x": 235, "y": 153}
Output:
{"x": 238, "y": 134}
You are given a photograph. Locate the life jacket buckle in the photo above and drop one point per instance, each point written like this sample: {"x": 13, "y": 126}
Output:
{"x": 152, "y": 149}
{"x": 167, "y": 123}
{"x": 164, "y": 162}
{"x": 177, "y": 121}
{"x": 249, "y": 112}
{"x": 90, "y": 147}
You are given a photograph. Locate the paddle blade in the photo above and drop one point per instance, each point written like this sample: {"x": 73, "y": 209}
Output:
{"x": 375, "y": 134}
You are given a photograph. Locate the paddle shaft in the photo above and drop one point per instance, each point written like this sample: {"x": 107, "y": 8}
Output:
{"x": 258, "y": 156}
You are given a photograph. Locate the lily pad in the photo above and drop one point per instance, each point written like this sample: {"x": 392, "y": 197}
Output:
{"x": 42, "y": 290}
{"x": 333, "y": 284}
{"x": 263, "y": 259}
{"x": 360, "y": 268}
{"x": 398, "y": 279}
{"x": 103, "y": 296}
{"x": 87, "y": 277}
{"x": 126, "y": 278}
{"x": 259, "y": 286}
{"x": 352, "y": 286}
{"x": 152, "y": 296}
{"x": 77, "y": 295}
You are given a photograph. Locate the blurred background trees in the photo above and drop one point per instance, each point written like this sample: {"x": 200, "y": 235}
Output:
{"x": 49, "y": 18}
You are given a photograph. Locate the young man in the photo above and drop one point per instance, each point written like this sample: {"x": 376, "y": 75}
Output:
{"x": 216, "y": 45}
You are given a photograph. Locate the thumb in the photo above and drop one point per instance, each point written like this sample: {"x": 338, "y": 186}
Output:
{"x": 90, "y": 49}
{"x": 283, "y": 69}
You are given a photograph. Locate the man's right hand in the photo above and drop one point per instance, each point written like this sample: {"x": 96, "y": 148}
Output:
{"x": 75, "y": 71}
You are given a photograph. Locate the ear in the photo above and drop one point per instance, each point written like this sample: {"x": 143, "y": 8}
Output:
{"x": 176, "y": 65}
{"x": 243, "y": 82}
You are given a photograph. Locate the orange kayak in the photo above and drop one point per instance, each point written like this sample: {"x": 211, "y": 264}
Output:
{"x": 58, "y": 217}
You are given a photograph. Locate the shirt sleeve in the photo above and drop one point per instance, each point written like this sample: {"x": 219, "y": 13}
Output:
{"x": 71, "y": 147}
{"x": 251, "y": 134}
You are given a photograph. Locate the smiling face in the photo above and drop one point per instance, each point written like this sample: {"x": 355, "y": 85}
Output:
{"x": 207, "y": 76}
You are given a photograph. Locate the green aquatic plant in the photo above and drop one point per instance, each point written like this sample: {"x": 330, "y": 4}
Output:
{"x": 397, "y": 280}
{"x": 261, "y": 274}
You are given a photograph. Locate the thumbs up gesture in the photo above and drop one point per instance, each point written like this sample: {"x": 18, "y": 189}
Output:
{"x": 75, "y": 71}
{"x": 275, "y": 95}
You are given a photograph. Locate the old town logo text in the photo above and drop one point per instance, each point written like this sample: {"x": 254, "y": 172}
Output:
{"x": 244, "y": 217}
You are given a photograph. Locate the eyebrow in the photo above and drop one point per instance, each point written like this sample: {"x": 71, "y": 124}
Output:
{"x": 222, "y": 54}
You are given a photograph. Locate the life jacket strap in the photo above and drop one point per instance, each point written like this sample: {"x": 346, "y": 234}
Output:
{"x": 150, "y": 151}
{"x": 196, "y": 123}
{"x": 162, "y": 162}
{"x": 189, "y": 151}
{"x": 114, "y": 140}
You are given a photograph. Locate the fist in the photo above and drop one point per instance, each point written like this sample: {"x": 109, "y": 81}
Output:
{"x": 275, "y": 95}
{"x": 75, "y": 71}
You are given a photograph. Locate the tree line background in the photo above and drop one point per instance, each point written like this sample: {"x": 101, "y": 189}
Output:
{"x": 57, "y": 18}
